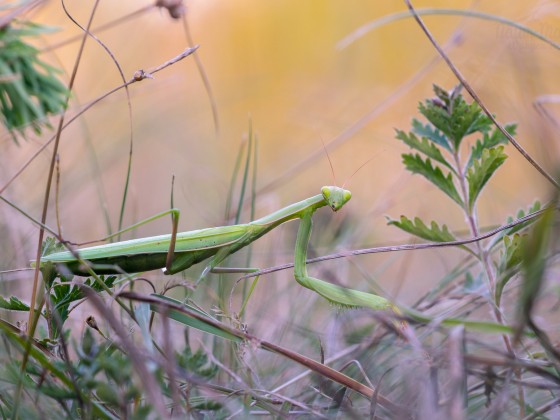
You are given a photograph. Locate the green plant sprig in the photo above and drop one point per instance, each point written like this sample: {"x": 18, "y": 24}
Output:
{"x": 29, "y": 88}
{"x": 437, "y": 147}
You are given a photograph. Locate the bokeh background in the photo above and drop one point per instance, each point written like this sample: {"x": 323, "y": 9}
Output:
{"x": 285, "y": 67}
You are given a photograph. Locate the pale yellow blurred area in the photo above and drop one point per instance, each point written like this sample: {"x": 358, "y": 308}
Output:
{"x": 277, "y": 64}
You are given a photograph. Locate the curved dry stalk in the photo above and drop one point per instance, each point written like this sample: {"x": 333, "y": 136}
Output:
{"x": 477, "y": 99}
{"x": 139, "y": 75}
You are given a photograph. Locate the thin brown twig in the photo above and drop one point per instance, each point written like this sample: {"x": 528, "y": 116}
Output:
{"x": 33, "y": 313}
{"x": 129, "y": 103}
{"x": 477, "y": 99}
{"x": 203, "y": 77}
{"x": 100, "y": 28}
{"x": 138, "y": 76}
{"x": 32, "y": 317}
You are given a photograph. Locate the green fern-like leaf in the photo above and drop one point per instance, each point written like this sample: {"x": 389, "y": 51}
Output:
{"x": 64, "y": 294}
{"x": 434, "y": 233}
{"x": 465, "y": 119}
{"x": 489, "y": 141}
{"x": 482, "y": 170}
{"x": 431, "y": 133}
{"x": 536, "y": 206}
{"x": 415, "y": 164}
{"x": 438, "y": 116}
{"x": 453, "y": 116}
{"x": 424, "y": 146}
{"x": 14, "y": 304}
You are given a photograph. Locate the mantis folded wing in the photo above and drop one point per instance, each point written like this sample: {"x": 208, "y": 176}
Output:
{"x": 178, "y": 251}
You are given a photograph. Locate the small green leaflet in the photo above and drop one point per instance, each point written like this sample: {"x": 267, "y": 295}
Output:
{"x": 489, "y": 141}
{"x": 430, "y": 133}
{"x": 14, "y": 304}
{"x": 482, "y": 170}
{"x": 434, "y": 233}
{"x": 415, "y": 164}
{"x": 424, "y": 146}
{"x": 50, "y": 246}
{"x": 462, "y": 120}
{"x": 521, "y": 213}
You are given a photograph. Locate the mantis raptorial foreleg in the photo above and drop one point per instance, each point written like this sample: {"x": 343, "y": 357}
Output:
{"x": 338, "y": 295}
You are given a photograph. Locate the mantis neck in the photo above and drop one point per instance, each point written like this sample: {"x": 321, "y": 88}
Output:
{"x": 293, "y": 211}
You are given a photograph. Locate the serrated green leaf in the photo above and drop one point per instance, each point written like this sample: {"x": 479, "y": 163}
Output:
{"x": 453, "y": 116}
{"x": 434, "y": 233}
{"x": 430, "y": 133}
{"x": 415, "y": 164}
{"x": 443, "y": 95}
{"x": 467, "y": 119}
{"x": 50, "y": 246}
{"x": 424, "y": 146}
{"x": 482, "y": 170}
{"x": 14, "y": 304}
{"x": 64, "y": 294}
{"x": 536, "y": 206}
{"x": 108, "y": 281}
{"x": 438, "y": 117}
{"x": 489, "y": 141}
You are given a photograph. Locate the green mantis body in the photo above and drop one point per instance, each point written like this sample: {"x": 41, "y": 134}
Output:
{"x": 178, "y": 251}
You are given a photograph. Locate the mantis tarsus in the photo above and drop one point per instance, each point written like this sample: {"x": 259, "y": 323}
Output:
{"x": 176, "y": 252}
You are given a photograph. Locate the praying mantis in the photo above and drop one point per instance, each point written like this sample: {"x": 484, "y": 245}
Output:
{"x": 176, "y": 252}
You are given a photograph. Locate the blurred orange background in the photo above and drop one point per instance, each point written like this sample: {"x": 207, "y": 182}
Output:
{"x": 281, "y": 65}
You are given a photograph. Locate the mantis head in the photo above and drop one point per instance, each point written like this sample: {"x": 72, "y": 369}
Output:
{"x": 336, "y": 197}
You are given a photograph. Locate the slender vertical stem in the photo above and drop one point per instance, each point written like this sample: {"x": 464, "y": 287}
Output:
{"x": 483, "y": 255}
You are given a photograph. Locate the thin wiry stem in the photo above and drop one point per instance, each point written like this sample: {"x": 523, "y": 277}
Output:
{"x": 477, "y": 99}
{"x": 404, "y": 247}
{"x": 138, "y": 77}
